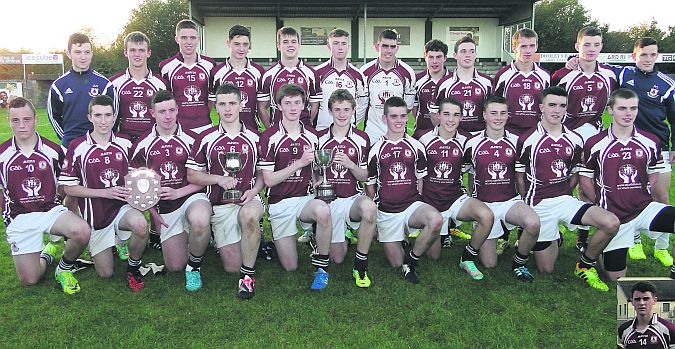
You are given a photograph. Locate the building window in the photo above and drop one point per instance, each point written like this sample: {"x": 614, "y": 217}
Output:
{"x": 666, "y": 307}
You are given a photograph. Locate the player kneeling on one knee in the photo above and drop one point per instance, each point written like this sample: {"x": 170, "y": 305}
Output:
{"x": 491, "y": 155}
{"x": 96, "y": 164}
{"x": 287, "y": 154}
{"x": 30, "y": 204}
{"x": 635, "y": 156}
{"x": 349, "y": 148}
{"x": 549, "y": 157}
{"x": 396, "y": 166}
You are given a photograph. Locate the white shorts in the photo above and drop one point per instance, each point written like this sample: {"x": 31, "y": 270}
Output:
{"x": 452, "y": 212}
{"x": 25, "y": 234}
{"x": 392, "y": 227}
{"x": 102, "y": 239}
{"x": 586, "y": 131}
{"x": 624, "y": 237}
{"x": 499, "y": 209}
{"x": 284, "y": 215}
{"x": 177, "y": 220}
{"x": 339, "y": 212}
{"x": 667, "y": 167}
{"x": 225, "y": 223}
{"x": 553, "y": 210}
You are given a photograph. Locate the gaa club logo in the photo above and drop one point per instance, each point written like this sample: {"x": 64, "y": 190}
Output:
{"x": 138, "y": 109}
{"x": 628, "y": 173}
{"x": 192, "y": 93}
{"x": 496, "y": 169}
{"x": 398, "y": 171}
{"x": 443, "y": 170}
{"x": 526, "y": 101}
{"x": 31, "y": 186}
{"x": 559, "y": 168}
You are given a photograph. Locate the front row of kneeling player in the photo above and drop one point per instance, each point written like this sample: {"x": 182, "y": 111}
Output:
{"x": 416, "y": 185}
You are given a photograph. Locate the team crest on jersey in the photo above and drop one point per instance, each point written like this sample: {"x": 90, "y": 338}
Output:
{"x": 249, "y": 83}
{"x": 601, "y": 85}
{"x": 537, "y": 86}
{"x": 42, "y": 165}
{"x": 179, "y": 151}
{"x": 508, "y": 152}
{"x": 93, "y": 91}
{"x": 568, "y": 151}
{"x": 244, "y": 148}
{"x": 653, "y": 339}
{"x": 149, "y": 93}
{"x": 455, "y": 152}
{"x": 654, "y": 92}
{"x": 301, "y": 80}
{"x": 639, "y": 153}
{"x": 349, "y": 84}
{"x": 477, "y": 91}
{"x": 202, "y": 76}
{"x": 118, "y": 156}
{"x": 396, "y": 82}
{"x": 407, "y": 153}
{"x": 351, "y": 151}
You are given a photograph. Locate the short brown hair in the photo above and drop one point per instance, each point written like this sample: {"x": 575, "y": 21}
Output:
{"x": 588, "y": 31}
{"x": 341, "y": 95}
{"x": 77, "y": 39}
{"x": 291, "y": 90}
{"x": 394, "y": 102}
{"x": 644, "y": 42}
{"x": 622, "y": 93}
{"x": 464, "y": 40}
{"x": 523, "y": 33}
{"x": 186, "y": 24}
{"x": 338, "y": 33}
{"x": 287, "y": 31}
{"x": 136, "y": 37}
{"x": 20, "y": 102}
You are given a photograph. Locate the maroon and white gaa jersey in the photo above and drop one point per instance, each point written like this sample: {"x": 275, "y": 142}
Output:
{"x": 279, "y": 150}
{"x": 586, "y": 94}
{"x": 471, "y": 94}
{"x": 425, "y": 89}
{"x": 97, "y": 166}
{"x": 135, "y": 99}
{"x": 278, "y": 75}
{"x": 208, "y": 154}
{"x": 190, "y": 86}
{"x": 621, "y": 171}
{"x": 548, "y": 162}
{"x": 383, "y": 84}
{"x": 659, "y": 334}
{"x": 29, "y": 181}
{"x": 248, "y": 81}
{"x": 445, "y": 165}
{"x": 356, "y": 145}
{"x": 167, "y": 157}
{"x": 523, "y": 93}
{"x": 395, "y": 167}
{"x": 493, "y": 164}
{"x": 350, "y": 79}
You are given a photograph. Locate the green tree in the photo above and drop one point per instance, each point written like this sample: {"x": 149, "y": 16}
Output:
{"x": 557, "y": 23}
{"x": 157, "y": 19}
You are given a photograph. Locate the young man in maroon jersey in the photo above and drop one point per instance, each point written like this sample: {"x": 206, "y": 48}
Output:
{"x": 521, "y": 83}
{"x": 94, "y": 171}
{"x": 624, "y": 161}
{"x": 241, "y": 72}
{"x": 289, "y": 70}
{"x": 442, "y": 187}
{"x": 136, "y": 86}
{"x": 182, "y": 207}
{"x": 188, "y": 74}
{"x": 549, "y": 156}
{"x": 348, "y": 169}
{"x": 647, "y": 330}
{"x": 426, "y": 82}
{"x": 386, "y": 76}
{"x": 235, "y": 224}
{"x": 286, "y": 157}
{"x": 396, "y": 166}
{"x": 467, "y": 85}
{"x": 338, "y": 73}
{"x": 588, "y": 88}
{"x": 491, "y": 155}
{"x": 30, "y": 166}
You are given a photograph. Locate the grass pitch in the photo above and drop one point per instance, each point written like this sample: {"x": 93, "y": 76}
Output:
{"x": 446, "y": 310}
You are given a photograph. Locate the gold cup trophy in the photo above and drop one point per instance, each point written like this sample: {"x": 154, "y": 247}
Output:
{"x": 231, "y": 163}
{"x": 324, "y": 191}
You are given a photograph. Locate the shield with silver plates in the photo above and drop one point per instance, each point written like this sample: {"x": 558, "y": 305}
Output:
{"x": 145, "y": 185}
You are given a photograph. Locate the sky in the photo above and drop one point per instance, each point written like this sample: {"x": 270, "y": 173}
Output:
{"x": 48, "y": 24}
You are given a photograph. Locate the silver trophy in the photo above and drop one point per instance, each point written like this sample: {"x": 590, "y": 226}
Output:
{"x": 231, "y": 163}
{"x": 324, "y": 191}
